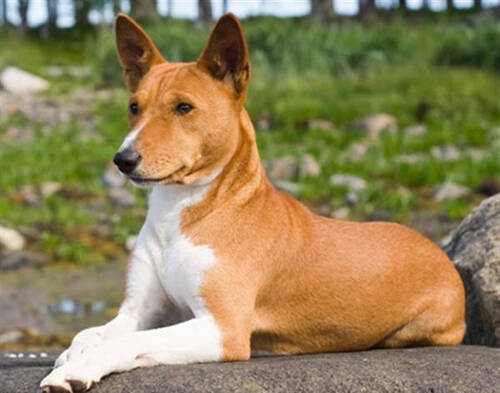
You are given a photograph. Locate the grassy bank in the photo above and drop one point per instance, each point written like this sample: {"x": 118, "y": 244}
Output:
{"x": 301, "y": 72}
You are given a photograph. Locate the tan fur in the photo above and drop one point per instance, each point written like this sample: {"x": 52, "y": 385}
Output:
{"x": 286, "y": 281}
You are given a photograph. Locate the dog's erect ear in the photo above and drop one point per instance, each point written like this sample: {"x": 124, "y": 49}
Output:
{"x": 136, "y": 51}
{"x": 226, "y": 54}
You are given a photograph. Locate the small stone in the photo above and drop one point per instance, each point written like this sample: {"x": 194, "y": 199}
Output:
{"x": 319, "y": 124}
{"x": 113, "y": 178}
{"x": 20, "y": 135}
{"x": 121, "y": 196}
{"x": 375, "y": 124}
{"x": 357, "y": 150}
{"x": 410, "y": 159}
{"x": 488, "y": 186}
{"x": 131, "y": 242}
{"x": 11, "y": 260}
{"x": 403, "y": 192}
{"x": 11, "y": 240}
{"x": 380, "y": 215}
{"x": 11, "y": 336}
{"x": 352, "y": 198}
{"x": 79, "y": 72}
{"x": 450, "y": 190}
{"x": 29, "y": 194}
{"x": 263, "y": 123}
{"x": 54, "y": 71}
{"x": 283, "y": 168}
{"x": 446, "y": 153}
{"x": 341, "y": 214}
{"x": 50, "y": 188}
{"x": 19, "y": 82}
{"x": 308, "y": 166}
{"x": 353, "y": 183}
{"x": 287, "y": 186}
{"x": 416, "y": 130}
{"x": 474, "y": 153}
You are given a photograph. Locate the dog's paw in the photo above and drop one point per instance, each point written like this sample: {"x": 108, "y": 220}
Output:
{"x": 76, "y": 378}
{"x": 62, "y": 359}
{"x": 83, "y": 342}
{"x": 55, "y": 382}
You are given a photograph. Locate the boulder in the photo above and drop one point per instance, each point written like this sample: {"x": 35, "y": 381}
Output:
{"x": 465, "y": 369}
{"x": 19, "y": 82}
{"x": 474, "y": 248}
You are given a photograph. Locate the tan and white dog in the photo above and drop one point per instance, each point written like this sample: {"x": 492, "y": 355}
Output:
{"x": 255, "y": 267}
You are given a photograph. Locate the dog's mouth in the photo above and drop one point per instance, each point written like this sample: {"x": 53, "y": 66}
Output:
{"x": 171, "y": 178}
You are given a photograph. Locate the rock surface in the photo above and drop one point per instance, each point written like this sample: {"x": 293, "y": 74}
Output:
{"x": 465, "y": 369}
{"x": 474, "y": 248}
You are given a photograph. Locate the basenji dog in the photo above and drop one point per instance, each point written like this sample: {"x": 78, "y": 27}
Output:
{"x": 256, "y": 268}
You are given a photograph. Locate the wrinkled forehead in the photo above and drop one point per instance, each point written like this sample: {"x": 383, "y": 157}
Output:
{"x": 175, "y": 77}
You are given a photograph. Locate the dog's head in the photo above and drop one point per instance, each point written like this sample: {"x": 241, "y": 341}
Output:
{"x": 184, "y": 116}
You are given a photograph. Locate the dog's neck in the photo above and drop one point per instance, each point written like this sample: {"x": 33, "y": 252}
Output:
{"x": 242, "y": 177}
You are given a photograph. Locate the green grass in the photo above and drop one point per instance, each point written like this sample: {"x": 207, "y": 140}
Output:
{"x": 301, "y": 71}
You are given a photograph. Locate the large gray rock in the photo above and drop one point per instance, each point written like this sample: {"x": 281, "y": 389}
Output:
{"x": 466, "y": 369}
{"x": 474, "y": 248}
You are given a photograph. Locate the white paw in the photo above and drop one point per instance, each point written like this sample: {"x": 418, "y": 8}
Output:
{"x": 83, "y": 342}
{"x": 73, "y": 377}
{"x": 56, "y": 382}
{"x": 61, "y": 359}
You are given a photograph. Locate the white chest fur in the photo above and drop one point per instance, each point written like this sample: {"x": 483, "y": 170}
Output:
{"x": 179, "y": 264}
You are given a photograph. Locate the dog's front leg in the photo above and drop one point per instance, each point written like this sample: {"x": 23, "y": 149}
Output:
{"x": 197, "y": 340}
{"x": 144, "y": 297}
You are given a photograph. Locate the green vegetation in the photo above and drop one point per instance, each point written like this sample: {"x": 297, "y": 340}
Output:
{"x": 301, "y": 72}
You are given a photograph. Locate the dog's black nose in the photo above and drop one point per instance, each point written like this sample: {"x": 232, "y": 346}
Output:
{"x": 127, "y": 160}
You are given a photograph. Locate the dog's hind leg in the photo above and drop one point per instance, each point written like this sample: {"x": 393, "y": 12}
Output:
{"x": 440, "y": 323}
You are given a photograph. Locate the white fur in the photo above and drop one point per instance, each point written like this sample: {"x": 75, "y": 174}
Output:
{"x": 132, "y": 136}
{"x": 165, "y": 265}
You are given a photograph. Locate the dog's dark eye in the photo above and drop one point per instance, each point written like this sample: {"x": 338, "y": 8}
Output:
{"x": 183, "y": 108}
{"x": 134, "y": 108}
